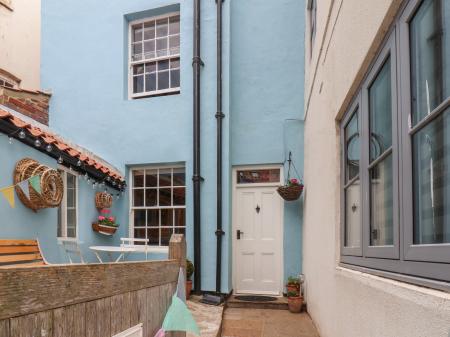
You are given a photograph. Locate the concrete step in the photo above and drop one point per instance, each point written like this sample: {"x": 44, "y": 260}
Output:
{"x": 280, "y": 303}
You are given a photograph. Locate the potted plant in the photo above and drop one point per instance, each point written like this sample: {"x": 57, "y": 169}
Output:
{"x": 292, "y": 190}
{"x": 106, "y": 223}
{"x": 189, "y": 271}
{"x": 293, "y": 284}
{"x": 295, "y": 301}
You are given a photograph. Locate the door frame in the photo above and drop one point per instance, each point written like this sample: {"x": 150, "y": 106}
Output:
{"x": 236, "y": 187}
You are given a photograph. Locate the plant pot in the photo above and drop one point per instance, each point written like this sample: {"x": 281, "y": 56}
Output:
{"x": 292, "y": 287}
{"x": 295, "y": 304}
{"x": 102, "y": 229}
{"x": 188, "y": 288}
{"x": 290, "y": 192}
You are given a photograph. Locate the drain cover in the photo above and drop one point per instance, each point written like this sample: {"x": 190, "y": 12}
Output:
{"x": 256, "y": 298}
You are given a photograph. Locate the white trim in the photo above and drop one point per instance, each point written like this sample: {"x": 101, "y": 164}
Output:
{"x": 237, "y": 186}
{"x": 131, "y": 63}
{"x": 132, "y": 208}
{"x": 63, "y": 206}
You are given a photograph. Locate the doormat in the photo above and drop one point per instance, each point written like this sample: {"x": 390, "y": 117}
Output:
{"x": 250, "y": 298}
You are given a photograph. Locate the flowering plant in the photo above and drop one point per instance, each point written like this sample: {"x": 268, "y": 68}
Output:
{"x": 106, "y": 219}
{"x": 294, "y": 182}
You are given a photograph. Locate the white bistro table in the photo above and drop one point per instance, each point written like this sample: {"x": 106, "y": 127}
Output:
{"x": 123, "y": 251}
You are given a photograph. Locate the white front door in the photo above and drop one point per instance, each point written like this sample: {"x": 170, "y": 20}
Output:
{"x": 257, "y": 240}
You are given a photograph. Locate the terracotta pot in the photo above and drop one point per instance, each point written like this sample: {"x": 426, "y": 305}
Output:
{"x": 292, "y": 287}
{"x": 295, "y": 304}
{"x": 188, "y": 288}
{"x": 102, "y": 229}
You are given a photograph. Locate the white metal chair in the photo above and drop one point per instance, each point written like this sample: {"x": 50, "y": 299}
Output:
{"x": 71, "y": 248}
{"x": 131, "y": 242}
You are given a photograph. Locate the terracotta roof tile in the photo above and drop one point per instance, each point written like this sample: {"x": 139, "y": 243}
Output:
{"x": 51, "y": 138}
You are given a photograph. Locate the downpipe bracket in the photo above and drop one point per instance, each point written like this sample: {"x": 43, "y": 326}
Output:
{"x": 219, "y": 232}
{"x": 197, "y": 59}
{"x": 196, "y": 178}
{"x": 220, "y": 114}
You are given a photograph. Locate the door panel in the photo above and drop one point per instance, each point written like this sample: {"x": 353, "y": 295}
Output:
{"x": 258, "y": 251}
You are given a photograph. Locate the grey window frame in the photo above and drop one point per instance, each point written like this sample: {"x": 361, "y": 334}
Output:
{"x": 420, "y": 264}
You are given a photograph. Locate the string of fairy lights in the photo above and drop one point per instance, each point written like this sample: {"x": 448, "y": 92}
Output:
{"x": 97, "y": 184}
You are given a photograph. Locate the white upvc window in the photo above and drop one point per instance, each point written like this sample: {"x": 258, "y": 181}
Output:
{"x": 158, "y": 203}
{"x": 154, "y": 56}
{"x": 68, "y": 210}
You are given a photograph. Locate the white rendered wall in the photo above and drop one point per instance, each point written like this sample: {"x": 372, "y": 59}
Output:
{"x": 342, "y": 302}
{"x": 20, "y": 41}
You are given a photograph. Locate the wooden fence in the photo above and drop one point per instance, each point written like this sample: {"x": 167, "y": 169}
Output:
{"x": 90, "y": 300}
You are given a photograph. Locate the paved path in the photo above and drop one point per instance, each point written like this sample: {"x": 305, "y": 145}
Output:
{"x": 239, "y": 322}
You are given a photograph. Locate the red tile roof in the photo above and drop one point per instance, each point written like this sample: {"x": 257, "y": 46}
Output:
{"x": 50, "y": 138}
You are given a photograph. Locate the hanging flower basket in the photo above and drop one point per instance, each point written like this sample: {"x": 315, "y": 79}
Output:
{"x": 104, "y": 229}
{"x": 292, "y": 191}
{"x": 106, "y": 223}
{"x": 103, "y": 200}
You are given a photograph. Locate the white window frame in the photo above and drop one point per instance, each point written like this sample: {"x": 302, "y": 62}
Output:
{"x": 63, "y": 216}
{"x": 133, "y": 208}
{"x": 132, "y": 95}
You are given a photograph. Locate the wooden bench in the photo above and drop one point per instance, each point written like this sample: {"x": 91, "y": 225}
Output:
{"x": 20, "y": 253}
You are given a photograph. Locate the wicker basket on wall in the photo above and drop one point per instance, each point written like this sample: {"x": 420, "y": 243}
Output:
{"x": 103, "y": 200}
{"x": 52, "y": 186}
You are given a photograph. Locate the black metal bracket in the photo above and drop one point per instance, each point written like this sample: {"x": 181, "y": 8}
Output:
{"x": 197, "y": 59}
{"x": 220, "y": 114}
{"x": 219, "y": 232}
{"x": 197, "y": 178}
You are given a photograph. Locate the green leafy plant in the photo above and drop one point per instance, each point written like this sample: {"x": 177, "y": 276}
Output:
{"x": 292, "y": 294}
{"x": 293, "y": 281}
{"x": 189, "y": 269}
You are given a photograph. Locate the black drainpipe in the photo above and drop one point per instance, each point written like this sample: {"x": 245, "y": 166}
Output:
{"x": 197, "y": 178}
{"x": 219, "y": 118}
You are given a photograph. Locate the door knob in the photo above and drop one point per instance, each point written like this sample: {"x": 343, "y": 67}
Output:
{"x": 257, "y": 208}
{"x": 238, "y": 234}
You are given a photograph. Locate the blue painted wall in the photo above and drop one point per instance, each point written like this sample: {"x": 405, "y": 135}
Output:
{"x": 267, "y": 58}
{"x": 84, "y": 63}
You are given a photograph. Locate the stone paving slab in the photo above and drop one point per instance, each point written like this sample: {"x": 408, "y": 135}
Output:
{"x": 208, "y": 317}
{"x": 240, "y": 322}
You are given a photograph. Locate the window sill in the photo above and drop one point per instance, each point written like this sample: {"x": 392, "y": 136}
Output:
{"x": 406, "y": 281}
{"x": 156, "y": 94}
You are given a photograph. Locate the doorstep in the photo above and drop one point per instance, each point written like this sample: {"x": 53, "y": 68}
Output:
{"x": 280, "y": 303}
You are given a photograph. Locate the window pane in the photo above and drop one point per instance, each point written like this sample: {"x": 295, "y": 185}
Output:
{"x": 167, "y": 217}
{"x": 179, "y": 198}
{"x": 381, "y": 204}
{"x": 165, "y": 177}
{"x": 138, "y": 178}
{"x": 150, "y": 67}
{"x": 163, "y": 65}
{"x": 149, "y": 30}
{"x": 137, "y": 32}
{"x": 353, "y": 215}
{"x": 174, "y": 45}
{"x": 138, "y": 84}
{"x": 138, "y": 69}
{"x": 258, "y": 176}
{"x": 139, "y": 233}
{"x": 430, "y": 57}
{"x": 153, "y": 218}
{"x": 163, "y": 80}
{"x": 71, "y": 180}
{"x": 162, "y": 27}
{"x": 139, "y": 218}
{"x": 71, "y": 222}
{"x": 174, "y": 25}
{"x": 151, "y": 197}
{"x": 149, "y": 49}
{"x": 153, "y": 236}
{"x": 180, "y": 231}
{"x": 431, "y": 171}
{"x": 165, "y": 197}
{"x": 175, "y": 63}
{"x": 150, "y": 82}
{"x": 175, "y": 78}
{"x": 179, "y": 177}
{"x": 138, "y": 197}
{"x": 380, "y": 110}
{"x": 151, "y": 178}
{"x": 59, "y": 226}
{"x": 180, "y": 217}
{"x": 166, "y": 233}
{"x": 137, "y": 51}
{"x": 352, "y": 147}
{"x": 71, "y": 197}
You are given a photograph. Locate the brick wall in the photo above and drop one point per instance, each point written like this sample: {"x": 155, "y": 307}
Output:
{"x": 33, "y": 104}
